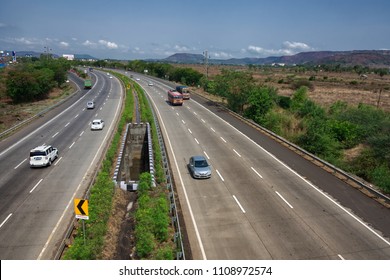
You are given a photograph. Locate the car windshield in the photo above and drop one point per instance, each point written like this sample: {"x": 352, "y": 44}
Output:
{"x": 96, "y": 123}
{"x": 201, "y": 163}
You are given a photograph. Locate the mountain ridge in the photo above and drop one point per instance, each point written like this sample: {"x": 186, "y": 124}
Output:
{"x": 373, "y": 58}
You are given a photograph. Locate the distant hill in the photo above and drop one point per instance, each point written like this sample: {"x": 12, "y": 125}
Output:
{"x": 84, "y": 57}
{"x": 371, "y": 58}
{"x": 38, "y": 54}
{"x": 187, "y": 57}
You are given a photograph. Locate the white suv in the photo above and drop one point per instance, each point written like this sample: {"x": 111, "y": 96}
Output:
{"x": 43, "y": 155}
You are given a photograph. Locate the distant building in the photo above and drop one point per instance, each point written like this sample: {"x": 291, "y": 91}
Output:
{"x": 68, "y": 56}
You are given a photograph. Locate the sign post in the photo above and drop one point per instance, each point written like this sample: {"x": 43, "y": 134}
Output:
{"x": 81, "y": 211}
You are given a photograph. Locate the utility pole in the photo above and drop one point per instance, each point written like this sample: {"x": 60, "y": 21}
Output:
{"x": 206, "y": 62}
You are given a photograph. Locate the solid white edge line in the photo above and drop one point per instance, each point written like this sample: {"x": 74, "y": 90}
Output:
{"x": 182, "y": 183}
{"x": 78, "y": 187}
{"x": 42, "y": 126}
{"x": 302, "y": 178}
{"x": 284, "y": 200}
{"x": 239, "y": 204}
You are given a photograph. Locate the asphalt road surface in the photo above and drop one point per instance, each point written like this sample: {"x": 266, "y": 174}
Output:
{"x": 263, "y": 201}
{"x": 36, "y": 204}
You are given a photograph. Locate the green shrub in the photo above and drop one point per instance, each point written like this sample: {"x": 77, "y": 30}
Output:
{"x": 381, "y": 177}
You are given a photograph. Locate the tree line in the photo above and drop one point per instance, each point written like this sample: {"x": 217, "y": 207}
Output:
{"x": 34, "y": 79}
{"x": 329, "y": 133}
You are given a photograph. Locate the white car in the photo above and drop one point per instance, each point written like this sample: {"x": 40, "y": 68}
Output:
{"x": 90, "y": 105}
{"x": 97, "y": 124}
{"x": 43, "y": 156}
{"x": 150, "y": 83}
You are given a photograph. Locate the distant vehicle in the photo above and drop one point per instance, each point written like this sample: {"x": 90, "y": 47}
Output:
{"x": 150, "y": 83}
{"x": 87, "y": 84}
{"x": 184, "y": 90}
{"x": 43, "y": 156}
{"x": 90, "y": 69}
{"x": 175, "y": 97}
{"x": 90, "y": 105}
{"x": 137, "y": 79}
{"x": 97, "y": 124}
{"x": 199, "y": 167}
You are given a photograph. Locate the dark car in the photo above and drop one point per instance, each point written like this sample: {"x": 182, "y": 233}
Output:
{"x": 199, "y": 167}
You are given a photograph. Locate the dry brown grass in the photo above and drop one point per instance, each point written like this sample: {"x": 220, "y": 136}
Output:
{"x": 12, "y": 114}
{"x": 328, "y": 87}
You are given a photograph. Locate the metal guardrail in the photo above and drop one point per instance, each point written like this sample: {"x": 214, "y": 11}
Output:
{"x": 180, "y": 255}
{"x": 39, "y": 114}
{"x": 341, "y": 174}
{"x": 169, "y": 183}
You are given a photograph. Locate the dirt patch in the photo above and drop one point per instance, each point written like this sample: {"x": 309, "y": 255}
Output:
{"x": 328, "y": 87}
{"x": 13, "y": 114}
{"x": 119, "y": 240}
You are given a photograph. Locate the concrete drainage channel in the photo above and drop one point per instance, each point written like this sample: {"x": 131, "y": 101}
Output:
{"x": 136, "y": 156}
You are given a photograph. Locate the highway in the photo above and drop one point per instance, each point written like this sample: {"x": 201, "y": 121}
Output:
{"x": 36, "y": 204}
{"x": 263, "y": 201}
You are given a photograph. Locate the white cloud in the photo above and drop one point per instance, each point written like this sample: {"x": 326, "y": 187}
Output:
{"x": 181, "y": 48}
{"x": 288, "y": 48}
{"x": 107, "y": 44}
{"x": 88, "y": 43}
{"x": 221, "y": 55}
{"x": 25, "y": 41}
{"x": 296, "y": 46}
{"x": 137, "y": 50}
{"x": 64, "y": 44}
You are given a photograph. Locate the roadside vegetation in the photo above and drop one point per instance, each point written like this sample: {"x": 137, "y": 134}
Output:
{"x": 355, "y": 138}
{"x": 31, "y": 86}
{"x": 33, "y": 80}
{"x": 153, "y": 230}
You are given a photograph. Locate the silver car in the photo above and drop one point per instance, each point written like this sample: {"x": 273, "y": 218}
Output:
{"x": 199, "y": 167}
{"x": 90, "y": 105}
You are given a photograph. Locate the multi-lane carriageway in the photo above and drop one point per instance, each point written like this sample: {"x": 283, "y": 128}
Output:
{"x": 263, "y": 200}
{"x": 36, "y": 205}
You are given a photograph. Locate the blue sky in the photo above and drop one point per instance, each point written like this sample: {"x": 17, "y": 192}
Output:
{"x": 140, "y": 29}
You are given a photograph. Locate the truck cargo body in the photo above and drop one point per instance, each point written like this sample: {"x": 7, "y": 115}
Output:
{"x": 87, "y": 84}
{"x": 184, "y": 90}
